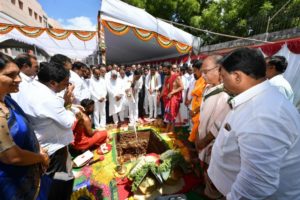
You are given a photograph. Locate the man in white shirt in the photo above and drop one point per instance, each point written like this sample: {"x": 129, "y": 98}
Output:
{"x": 276, "y": 66}
{"x": 67, "y": 94}
{"x": 189, "y": 76}
{"x": 52, "y": 123}
{"x": 86, "y": 82}
{"x": 115, "y": 97}
{"x": 257, "y": 152}
{"x": 99, "y": 92}
{"x": 132, "y": 94}
{"x": 144, "y": 98}
{"x": 76, "y": 79}
{"x": 126, "y": 85}
{"x": 28, "y": 66}
{"x": 152, "y": 86}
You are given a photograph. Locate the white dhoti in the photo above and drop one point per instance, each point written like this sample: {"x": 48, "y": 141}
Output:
{"x": 98, "y": 91}
{"x": 115, "y": 89}
{"x": 133, "y": 104}
{"x": 99, "y": 114}
{"x": 146, "y": 103}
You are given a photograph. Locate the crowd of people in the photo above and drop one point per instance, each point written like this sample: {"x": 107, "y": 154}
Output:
{"x": 239, "y": 108}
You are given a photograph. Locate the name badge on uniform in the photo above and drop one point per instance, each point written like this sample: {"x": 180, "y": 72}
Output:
{"x": 227, "y": 127}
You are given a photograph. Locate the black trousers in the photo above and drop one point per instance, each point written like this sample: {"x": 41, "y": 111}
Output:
{"x": 60, "y": 171}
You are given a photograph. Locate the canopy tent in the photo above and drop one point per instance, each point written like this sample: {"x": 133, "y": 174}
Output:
{"x": 74, "y": 44}
{"x": 132, "y": 35}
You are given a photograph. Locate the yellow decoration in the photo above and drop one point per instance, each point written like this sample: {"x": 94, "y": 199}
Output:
{"x": 82, "y": 192}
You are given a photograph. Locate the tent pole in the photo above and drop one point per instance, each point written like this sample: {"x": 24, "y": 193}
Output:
{"x": 101, "y": 41}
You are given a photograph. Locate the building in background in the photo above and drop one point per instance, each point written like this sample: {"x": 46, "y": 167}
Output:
{"x": 27, "y": 13}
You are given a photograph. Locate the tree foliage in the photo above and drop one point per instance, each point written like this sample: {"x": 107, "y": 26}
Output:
{"x": 233, "y": 17}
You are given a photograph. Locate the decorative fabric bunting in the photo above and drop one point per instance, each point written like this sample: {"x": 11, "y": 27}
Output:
{"x": 116, "y": 28}
{"x": 143, "y": 34}
{"x": 182, "y": 48}
{"x": 31, "y": 31}
{"x": 84, "y": 35}
{"x": 5, "y": 28}
{"x": 164, "y": 41}
{"x": 59, "y": 34}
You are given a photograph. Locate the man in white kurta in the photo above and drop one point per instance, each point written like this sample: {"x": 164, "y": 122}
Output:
{"x": 257, "y": 152}
{"x": 99, "y": 92}
{"x": 115, "y": 96}
{"x": 86, "y": 77}
{"x": 132, "y": 94}
{"x": 76, "y": 79}
{"x": 145, "y": 98}
{"x": 213, "y": 110}
{"x": 126, "y": 85}
{"x": 152, "y": 86}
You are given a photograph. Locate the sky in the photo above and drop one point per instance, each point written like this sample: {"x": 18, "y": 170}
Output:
{"x": 73, "y": 14}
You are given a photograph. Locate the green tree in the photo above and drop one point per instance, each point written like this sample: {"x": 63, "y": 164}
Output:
{"x": 234, "y": 17}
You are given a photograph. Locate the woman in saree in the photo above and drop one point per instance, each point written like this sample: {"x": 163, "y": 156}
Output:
{"x": 21, "y": 161}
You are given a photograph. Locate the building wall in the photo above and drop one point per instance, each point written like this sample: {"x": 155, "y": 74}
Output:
{"x": 28, "y": 12}
{"x": 24, "y": 12}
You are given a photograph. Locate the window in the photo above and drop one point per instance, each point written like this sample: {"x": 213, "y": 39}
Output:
{"x": 35, "y": 15}
{"x": 21, "y": 5}
{"x": 13, "y": 2}
{"x": 6, "y": 50}
{"x": 40, "y": 18}
{"x": 45, "y": 21}
{"x": 30, "y": 11}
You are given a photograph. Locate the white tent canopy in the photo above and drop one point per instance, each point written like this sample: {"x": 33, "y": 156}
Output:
{"x": 131, "y": 35}
{"x": 127, "y": 47}
{"x": 74, "y": 44}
